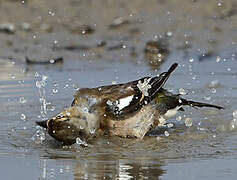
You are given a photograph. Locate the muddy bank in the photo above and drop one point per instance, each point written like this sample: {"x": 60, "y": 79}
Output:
{"x": 88, "y": 30}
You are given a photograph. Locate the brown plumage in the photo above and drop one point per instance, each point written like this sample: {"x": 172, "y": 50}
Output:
{"x": 126, "y": 110}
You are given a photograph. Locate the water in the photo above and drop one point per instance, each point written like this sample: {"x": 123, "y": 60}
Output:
{"x": 202, "y": 147}
{"x": 205, "y": 148}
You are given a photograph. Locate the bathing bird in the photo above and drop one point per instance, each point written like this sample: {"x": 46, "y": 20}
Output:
{"x": 128, "y": 110}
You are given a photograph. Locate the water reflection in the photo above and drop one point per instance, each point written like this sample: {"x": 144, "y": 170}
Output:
{"x": 105, "y": 166}
{"x": 14, "y": 83}
{"x": 113, "y": 159}
{"x": 102, "y": 168}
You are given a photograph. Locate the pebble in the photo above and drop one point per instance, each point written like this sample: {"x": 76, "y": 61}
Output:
{"x": 46, "y": 27}
{"x": 25, "y": 26}
{"x": 118, "y": 22}
{"x": 8, "y": 28}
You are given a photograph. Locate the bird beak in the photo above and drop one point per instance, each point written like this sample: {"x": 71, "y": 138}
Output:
{"x": 43, "y": 124}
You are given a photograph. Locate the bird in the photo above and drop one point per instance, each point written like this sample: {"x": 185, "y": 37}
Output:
{"x": 128, "y": 110}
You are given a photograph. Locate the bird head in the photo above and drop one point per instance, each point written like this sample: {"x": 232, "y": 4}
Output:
{"x": 72, "y": 123}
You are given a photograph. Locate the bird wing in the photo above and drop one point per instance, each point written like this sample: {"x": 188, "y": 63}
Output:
{"x": 136, "y": 94}
{"x": 123, "y": 100}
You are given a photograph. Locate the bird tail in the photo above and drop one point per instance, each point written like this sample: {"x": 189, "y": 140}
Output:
{"x": 199, "y": 104}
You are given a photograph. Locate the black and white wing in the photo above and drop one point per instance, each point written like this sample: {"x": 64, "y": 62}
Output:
{"x": 143, "y": 92}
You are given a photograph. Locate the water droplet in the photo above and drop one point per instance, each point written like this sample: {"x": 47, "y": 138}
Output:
{"x": 66, "y": 86}
{"x": 166, "y": 133}
{"x": 76, "y": 87}
{"x": 188, "y": 122}
{"x": 191, "y": 60}
{"x": 52, "y": 108}
{"x": 233, "y": 124}
{"x": 81, "y": 142}
{"x": 169, "y": 33}
{"x": 92, "y": 131}
{"x": 43, "y": 83}
{"x": 61, "y": 170}
{"x": 114, "y": 82}
{"x": 38, "y": 137}
{"x": 23, "y": 117}
{"x": 37, "y": 74}
{"x": 194, "y": 77}
{"x": 207, "y": 98}
{"x": 201, "y": 129}
{"x": 22, "y": 100}
{"x": 182, "y": 91}
{"x": 213, "y": 84}
{"x": 38, "y": 84}
{"x": 22, "y": 70}
{"x": 55, "y": 84}
{"x": 213, "y": 90}
{"x": 44, "y": 78}
{"x": 170, "y": 125}
{"x": 218, "y": 59}
{"x": 235, "y": 114}
{"x": 51, "y": 61}
{"x": 52, "y": 173}
{"x": 55, "y": 91}
{"x": 13, "y": 76}
{"x": 178, "y": 118}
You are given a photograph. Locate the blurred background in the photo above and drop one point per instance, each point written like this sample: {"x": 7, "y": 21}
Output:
{"x": 50, "y": 49}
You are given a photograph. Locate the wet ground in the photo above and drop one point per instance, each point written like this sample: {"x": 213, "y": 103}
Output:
{"x": 106, "y": 42}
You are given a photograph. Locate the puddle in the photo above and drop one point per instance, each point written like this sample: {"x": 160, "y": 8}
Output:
{"x": 211, "y": 139}
{"x": 205, "y": 51}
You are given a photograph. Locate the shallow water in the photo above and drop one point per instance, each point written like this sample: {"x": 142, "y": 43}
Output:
{"x": 206, "y": 150}
{"x": 28, "y": 93}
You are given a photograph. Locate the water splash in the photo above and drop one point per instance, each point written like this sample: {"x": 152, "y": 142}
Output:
{"x": 233, "y": 123}
{"x": 23, "y": 117}
{"x": 81, "y": 142}
{"x": 188, "y": 122}
{"x": 182, "y": 91}
{"x": 235, "y": 114}
{"x": 179, "y": 118}
{"x": 41, "y": 89}
{"x": 23, "y": 100}
{"x": 39, "y": 136}
{"x": 166, "y": 133}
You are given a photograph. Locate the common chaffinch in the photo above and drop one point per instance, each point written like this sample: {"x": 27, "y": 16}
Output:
{"x": 127, "y": 110}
